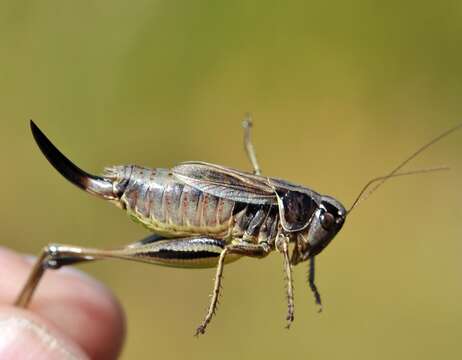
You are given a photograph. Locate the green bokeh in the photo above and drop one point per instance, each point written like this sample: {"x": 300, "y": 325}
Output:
{"x": 340, "y": 92}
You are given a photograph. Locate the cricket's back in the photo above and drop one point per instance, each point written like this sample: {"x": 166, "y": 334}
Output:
{"x": 165, "y": 205}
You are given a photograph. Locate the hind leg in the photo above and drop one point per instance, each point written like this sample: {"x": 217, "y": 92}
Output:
{"x": 52, "y": 257}
{"x": 181, "y": 252}
{"x": 248, "y": 145}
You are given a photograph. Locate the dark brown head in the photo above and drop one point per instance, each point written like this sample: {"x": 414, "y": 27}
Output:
{"x": 326, "y": 223}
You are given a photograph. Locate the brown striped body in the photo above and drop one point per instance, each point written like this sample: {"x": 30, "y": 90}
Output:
{"x": 202, "y": 215}
{"x": 165, "y": 205}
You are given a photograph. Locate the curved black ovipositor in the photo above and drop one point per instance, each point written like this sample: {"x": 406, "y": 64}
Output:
{"x": 91, "y": 183}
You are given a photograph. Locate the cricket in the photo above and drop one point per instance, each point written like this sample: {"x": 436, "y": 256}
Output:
{"x": 202, "y": 215}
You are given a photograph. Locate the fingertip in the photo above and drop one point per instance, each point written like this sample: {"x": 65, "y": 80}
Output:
{"x": 85, "y": 310}
{"x": 24, "y": 335}
{"x": 82, "y": 308}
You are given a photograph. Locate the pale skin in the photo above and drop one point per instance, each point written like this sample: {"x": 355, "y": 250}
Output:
{"x": 59, "y": 323}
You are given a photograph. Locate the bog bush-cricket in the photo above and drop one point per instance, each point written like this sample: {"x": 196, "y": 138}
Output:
{"x": 206, "y": 215}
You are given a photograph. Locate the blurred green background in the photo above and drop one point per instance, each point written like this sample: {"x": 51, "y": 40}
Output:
{"x": 340, "y": 92}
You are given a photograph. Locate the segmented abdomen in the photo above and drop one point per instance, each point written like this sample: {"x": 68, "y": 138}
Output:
{"x": 163, "y": 204}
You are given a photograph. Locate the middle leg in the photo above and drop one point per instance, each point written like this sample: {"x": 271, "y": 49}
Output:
{"x": 242, "y": 249}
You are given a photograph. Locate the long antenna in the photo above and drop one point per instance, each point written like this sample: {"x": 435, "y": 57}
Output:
{"x": 363, "y": 195}
{"x": 394, "y": 172}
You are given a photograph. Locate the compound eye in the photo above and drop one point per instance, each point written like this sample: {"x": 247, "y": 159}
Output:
{"x": 327, "y": 220}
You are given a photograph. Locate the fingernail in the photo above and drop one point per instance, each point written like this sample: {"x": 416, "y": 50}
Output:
{"x": 22, "y": 338}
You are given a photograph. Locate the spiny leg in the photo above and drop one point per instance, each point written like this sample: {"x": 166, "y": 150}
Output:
{"x": 283, "y": 247}
{"x": 31, "y": 284}
{"x": 244, "y": 249}
{"x": 249, "y": 148}
{"x": 313, "y": 287}
{"x": 179, "y": 252}
{"x": 215, "y": 294}
{"x": 53, "y": 256}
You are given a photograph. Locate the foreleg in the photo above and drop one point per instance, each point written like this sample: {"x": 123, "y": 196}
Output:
{"x": 313, "y": 287}
{"x": 282, "y": 244}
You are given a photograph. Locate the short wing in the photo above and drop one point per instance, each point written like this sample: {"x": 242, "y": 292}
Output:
{"x": 226, "y": 183}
